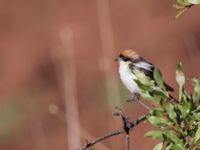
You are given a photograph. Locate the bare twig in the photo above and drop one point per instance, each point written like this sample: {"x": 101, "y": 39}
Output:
{"x": 108, "y": 135}
{"x": 182, "y": 9}
{"x": 139, "y": 102}
{"x": 125, "y": 119}
{"x": 143, "y": 104}
{"x": 114, "y": 133}
{"x": 127, "y": 142}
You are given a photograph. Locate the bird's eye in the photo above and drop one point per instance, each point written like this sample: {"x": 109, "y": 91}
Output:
{"x": 125, "y": 59}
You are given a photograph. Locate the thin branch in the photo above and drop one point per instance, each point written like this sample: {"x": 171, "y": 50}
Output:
{"x": 114, "y": 133}
{"x": 182, "y": 9}
{"x": 108, "y": 135}
{"x": 136, "y": 98}
{"x": 127, "y": 142}
{"x": 143, "y": 104}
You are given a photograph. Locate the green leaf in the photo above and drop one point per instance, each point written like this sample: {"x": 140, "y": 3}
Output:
{"x": 197, "y": 135}
{"x": 145, "y": 80}
{"x": 160, "y": 92}
{"x": 196, "y": 93}
{"x": 158, "y": 121}
{"x": 197, "y": 109}
{"x": 158, "y": 146}
{"x": 196, "y": 116}
{"x": 180, "y": 77}
{"x": 184, "y": 108}
{"x": 171, "y": 112}
{"x": 169, "y": 147}
{"x": 194, "y": 1}
{"x": 171, "y": 137}
{"x": 158, "y": 78}
{"x": 147, "y": 95}
{"x": 183, "y": 2}
{"x": 157, "y": 111}
{"x": 143, "y": 86}
{"x": 155, "y": 134}
{"x": 177, "y": 147}
{"x": 173, "y": 146}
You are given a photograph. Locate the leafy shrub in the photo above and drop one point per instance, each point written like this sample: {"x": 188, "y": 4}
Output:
{"x": 177, "y": 121}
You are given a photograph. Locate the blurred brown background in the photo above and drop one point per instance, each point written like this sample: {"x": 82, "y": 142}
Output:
{"x": 58, "y": 81}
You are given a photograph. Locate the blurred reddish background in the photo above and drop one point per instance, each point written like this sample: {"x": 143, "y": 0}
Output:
{"x": 59, "y": 84}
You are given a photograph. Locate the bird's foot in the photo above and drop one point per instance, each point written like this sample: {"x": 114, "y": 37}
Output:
{"x": 134, "y": 97}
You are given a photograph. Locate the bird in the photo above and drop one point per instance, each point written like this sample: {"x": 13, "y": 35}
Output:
{"x": 129, "y": 60}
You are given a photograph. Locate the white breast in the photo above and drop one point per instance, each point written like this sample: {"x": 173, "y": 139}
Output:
{"x": 127, "y": 77}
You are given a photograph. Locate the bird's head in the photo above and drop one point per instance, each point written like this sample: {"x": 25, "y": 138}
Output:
{"x": 127, "y": 55}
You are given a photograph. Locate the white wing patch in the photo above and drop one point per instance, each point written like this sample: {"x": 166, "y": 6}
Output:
{"x": 144, "y": 65}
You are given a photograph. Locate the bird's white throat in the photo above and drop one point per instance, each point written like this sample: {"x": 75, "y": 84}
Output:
{"x": 127, "y": 76}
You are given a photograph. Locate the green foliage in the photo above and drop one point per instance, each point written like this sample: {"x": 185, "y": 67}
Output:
{"x": 158, "y": 146}
{"x": 184, "y": 5}
{"x": 155, "y": 134}
{"x": 194, "y": 1}
{"x": 177, "y": 123}
{"x": 159, "y": 78}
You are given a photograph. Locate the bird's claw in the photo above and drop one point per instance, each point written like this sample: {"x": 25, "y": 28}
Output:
{"x": 134, "y": 97}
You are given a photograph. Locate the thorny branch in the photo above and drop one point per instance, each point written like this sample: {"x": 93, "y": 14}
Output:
{"x": 127, "y": 127}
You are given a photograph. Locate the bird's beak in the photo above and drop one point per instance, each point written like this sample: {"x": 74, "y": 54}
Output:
{"x": 116, "y": 59}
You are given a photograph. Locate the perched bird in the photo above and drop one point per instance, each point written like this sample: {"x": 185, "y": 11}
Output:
{"x": 129, "y": 60}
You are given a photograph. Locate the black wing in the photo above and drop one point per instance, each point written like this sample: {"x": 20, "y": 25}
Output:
{"x": 147, "y": 68}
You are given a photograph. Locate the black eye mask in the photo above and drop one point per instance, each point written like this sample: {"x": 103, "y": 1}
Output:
{"x": 124, "y": 58}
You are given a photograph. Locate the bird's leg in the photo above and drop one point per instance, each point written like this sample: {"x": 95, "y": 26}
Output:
{"x": 136, "y": 97}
